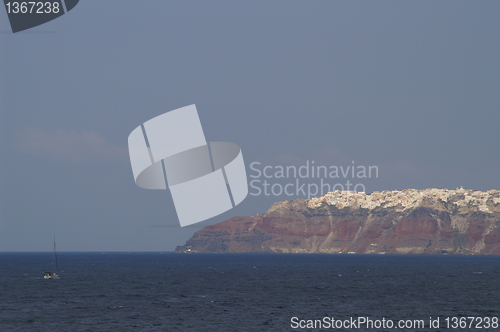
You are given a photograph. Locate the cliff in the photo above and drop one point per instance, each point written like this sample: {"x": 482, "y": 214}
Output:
{"x": 431, "y": 221}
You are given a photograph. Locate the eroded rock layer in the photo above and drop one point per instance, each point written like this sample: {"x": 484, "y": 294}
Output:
{"x": 431, "y": 221}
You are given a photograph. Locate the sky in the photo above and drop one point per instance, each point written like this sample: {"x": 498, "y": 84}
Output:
{"x": 408, "y": 87}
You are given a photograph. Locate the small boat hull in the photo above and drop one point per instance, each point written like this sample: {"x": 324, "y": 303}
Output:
{"x": 51, "y": 275}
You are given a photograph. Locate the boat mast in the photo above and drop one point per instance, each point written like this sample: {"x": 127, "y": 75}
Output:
{"x": 55, "y": 255}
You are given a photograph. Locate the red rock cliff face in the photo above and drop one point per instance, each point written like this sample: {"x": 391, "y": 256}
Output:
{"x": 429, "y": 227}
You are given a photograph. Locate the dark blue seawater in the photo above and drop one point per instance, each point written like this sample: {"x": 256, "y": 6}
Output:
{"x": 243, "y": 292}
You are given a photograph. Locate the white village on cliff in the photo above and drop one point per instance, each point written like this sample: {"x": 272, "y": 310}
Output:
{"x": 409, "y": 198}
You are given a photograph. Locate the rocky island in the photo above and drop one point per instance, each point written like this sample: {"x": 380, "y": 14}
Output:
{"x": 430, "y": 221}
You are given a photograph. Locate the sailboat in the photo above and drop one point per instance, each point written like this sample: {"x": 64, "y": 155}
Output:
{"x": 55, "y": 274}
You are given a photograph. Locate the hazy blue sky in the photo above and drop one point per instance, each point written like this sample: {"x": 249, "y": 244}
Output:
{"x": 411, "y": 87}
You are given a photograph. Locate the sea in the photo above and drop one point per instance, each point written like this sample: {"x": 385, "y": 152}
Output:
{"x": 249, "y": 292}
